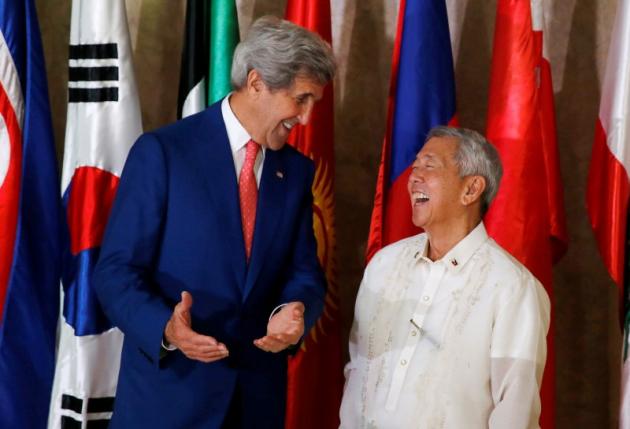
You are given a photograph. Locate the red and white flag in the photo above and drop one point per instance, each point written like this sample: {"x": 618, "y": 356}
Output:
{"x": 527, "y": 217}
{"x": 609, "y": 181}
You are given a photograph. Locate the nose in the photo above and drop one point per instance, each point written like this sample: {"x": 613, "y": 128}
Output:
{"x": 416, "y": 174}
{"x": 305, "y": 114}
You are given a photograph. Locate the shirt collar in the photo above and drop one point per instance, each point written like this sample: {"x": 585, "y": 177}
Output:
{"x": 463, "y": 251}
{"x": 237, "y": 135}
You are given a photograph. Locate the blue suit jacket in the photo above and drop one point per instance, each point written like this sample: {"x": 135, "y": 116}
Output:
{"x": 176, "y": 225}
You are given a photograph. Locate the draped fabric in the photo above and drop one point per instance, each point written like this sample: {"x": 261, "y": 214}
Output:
{"x": 315, "y": 377}
{"x": 527, "y": 216}
{"x": 422, "y": 95}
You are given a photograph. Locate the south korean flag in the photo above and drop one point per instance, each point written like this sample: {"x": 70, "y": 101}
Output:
{"x": 102, "y": 124}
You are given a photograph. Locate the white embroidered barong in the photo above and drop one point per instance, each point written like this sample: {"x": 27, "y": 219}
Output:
{"x": 455, "y": 343}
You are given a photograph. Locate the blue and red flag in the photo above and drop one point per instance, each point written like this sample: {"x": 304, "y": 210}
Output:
{"x": 422, "y": 95}
{"x": 30, "y": 228}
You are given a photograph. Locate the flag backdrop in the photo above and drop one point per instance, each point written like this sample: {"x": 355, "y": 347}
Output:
{"x": 315, "y": 377}
{"x": 421, "y": 96}
{"x": 210, "y": 36}
{"x": 527, "y": 216}
{"x": 608, "y": 188}
{"x": 30, "y": 228}
{"x": 103, "y": 121}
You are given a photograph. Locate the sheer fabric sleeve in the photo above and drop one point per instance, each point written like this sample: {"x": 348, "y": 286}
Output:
{"x": 518, "y": 355}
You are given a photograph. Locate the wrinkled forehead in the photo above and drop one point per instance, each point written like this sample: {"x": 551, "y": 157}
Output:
{"x": 443, "y": 148}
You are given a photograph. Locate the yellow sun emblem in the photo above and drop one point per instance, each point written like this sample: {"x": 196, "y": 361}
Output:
{"x": 324, "y": 228}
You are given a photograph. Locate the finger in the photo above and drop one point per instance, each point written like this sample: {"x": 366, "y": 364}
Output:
{"x": 185, "y": 303}
{"x": 263, "y": 345}
{"x": 208, "y": 357}
{"x": 198, "y": 340}
{"x": 269, "y": 343}
{"x": 205, "y": 352}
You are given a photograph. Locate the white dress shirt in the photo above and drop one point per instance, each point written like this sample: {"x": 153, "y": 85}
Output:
{"x": 455, "y": 343}
{"x": 238, "y": 137}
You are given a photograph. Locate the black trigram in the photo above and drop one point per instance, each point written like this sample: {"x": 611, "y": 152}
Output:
{"x": 94, "y": 405}
{"x": 93, "y": 73}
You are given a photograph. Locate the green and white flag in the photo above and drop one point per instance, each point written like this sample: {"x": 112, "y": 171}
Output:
{"x": 210, "y": 36}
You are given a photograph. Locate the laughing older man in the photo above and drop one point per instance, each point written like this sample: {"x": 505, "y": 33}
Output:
{"x": 449, "y": 329}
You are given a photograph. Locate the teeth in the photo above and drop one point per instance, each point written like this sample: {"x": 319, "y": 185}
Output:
{"x": 420, "y": 197}
{"x": 288, "y": 125}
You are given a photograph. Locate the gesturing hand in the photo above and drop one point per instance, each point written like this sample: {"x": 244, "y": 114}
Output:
{"x": 179, "y": 333}
{"x": 285, "y": 328}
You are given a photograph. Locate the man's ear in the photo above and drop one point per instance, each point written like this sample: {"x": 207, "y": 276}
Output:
{"x": 255, "y": 84}
{"x": 473, "y": 188}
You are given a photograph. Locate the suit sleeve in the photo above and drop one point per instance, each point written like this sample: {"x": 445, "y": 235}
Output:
{"x": 305, "y": 280}
{"x": 123, "y": 274}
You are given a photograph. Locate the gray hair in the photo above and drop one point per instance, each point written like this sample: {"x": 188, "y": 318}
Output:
{"x": 475, "y": 156}
{"x": 280, "y": 51}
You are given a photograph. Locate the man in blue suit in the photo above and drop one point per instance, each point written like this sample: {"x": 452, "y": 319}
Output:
{"x": 217, "y": 209}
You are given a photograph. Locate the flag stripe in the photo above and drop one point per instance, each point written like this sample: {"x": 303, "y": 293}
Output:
{"x": 224, "y": 37}
{"x": 194, "y": 63}
{"x": 92, "y": 95}
{"x": 92, "y": 73}
{"x": 425, "y": 93}
{"x": 608, "y": 193}
{"x": 68, "y": 422}
{"x": 100, "y": 405}
{"x": 31, "y": 304}
{"x": 93, "y": 51}
{"x": 422, "y": 95}
{"x": 72, "y": 403}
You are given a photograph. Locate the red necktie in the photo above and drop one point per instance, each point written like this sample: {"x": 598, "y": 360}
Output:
{"x": 248, "y": 195}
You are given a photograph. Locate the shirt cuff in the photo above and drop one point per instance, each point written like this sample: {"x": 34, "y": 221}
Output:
{"x": 277, "y": 309}
{"x": 166, "y": 346}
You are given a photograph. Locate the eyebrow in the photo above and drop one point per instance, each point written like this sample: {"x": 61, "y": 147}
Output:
{"x": 426, "y": 155}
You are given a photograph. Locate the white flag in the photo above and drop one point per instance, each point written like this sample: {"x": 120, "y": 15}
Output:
{"x": 103, "y": 122}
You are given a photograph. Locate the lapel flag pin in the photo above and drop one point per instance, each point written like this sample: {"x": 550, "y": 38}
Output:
{"x": 280, "y": 174}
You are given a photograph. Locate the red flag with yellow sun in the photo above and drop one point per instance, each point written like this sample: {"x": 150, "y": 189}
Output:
{"x": 315, "y": 373}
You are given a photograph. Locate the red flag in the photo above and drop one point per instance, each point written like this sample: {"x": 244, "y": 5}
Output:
{"x": 527, "y": 217}
{"x": 315, "y": 373}
{"x": 608, "y": 190}
{"x": 422, "y": 95}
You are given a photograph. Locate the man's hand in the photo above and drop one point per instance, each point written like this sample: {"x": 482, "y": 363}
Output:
{"x": 179, "y": 333}
{"x": 285, "y": 328}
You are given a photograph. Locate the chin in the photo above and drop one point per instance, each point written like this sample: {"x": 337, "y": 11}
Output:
{"x": 418, "y": 222}
{"x": 277, "y": 145}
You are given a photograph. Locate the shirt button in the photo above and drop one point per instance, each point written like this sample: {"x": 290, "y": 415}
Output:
{"x": 403, "y": 362}
{"x": 425, "y": 298}
{"x": 414, "y": 333}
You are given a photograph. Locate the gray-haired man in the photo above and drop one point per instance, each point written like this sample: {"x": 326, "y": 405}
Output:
{"x": 449, "y": 329}
{"x": 216, "y": 207}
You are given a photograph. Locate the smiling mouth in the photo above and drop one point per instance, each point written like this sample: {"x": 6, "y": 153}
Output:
{"x": 419, "y": 197}
{"x": 288, "y": 125}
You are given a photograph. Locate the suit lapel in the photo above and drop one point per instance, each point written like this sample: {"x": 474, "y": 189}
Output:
{"x": 271, "y": 200}
{"x": 220, "y": 179}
